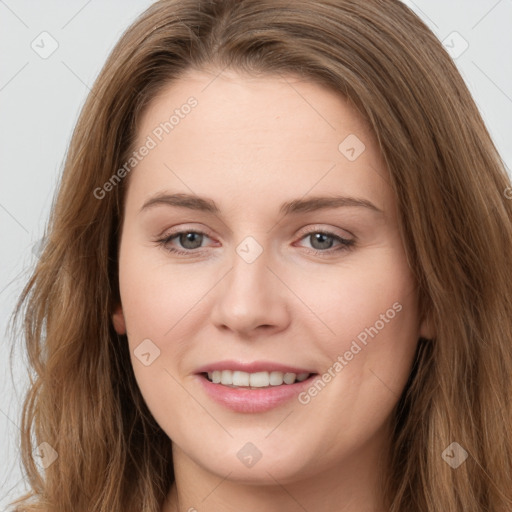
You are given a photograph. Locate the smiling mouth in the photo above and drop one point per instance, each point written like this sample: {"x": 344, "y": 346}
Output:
{"x": 256, "y": 380}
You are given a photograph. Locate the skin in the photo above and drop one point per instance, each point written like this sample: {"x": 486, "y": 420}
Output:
{"x": 250, "y": 145}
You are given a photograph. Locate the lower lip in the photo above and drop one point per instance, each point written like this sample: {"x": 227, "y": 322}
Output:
{"x": 255, "y": 399}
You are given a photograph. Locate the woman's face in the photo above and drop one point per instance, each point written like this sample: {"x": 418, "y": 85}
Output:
{"x": 293, "y": 268}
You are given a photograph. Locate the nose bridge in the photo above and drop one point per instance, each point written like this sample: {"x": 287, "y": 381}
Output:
{"x": 249, "y": 279}
{"x": 250, "y": 265}
{"x": 251, "y": 295}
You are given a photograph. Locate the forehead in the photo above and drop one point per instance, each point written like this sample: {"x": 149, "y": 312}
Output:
{"x": 266, "y": 134}
{"x": 232, "y": 100}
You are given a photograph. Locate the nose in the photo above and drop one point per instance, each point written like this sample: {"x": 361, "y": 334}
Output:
{"x": 252, "y": 298}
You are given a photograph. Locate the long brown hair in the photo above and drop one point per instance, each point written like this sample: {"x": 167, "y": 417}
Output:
{"x": 454, "y": 217}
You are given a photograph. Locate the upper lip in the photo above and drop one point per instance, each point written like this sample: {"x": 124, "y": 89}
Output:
{"x": 255, "y": 366}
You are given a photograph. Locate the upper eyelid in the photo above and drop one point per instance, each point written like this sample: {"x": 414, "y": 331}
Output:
{"x": 301, "y": 235}
{"x": 330, "y": 231}
{"x": 303, "y": 232}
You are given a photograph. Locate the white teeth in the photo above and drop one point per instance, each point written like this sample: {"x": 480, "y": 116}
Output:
{"x": 255, "y": 380}
{"x": 259, "y": 379}
{"x": 276, "y": 378}
{"x": 289, "y": 378}
{"x": 226, "y": 377}
{"x": 240, "y": 379}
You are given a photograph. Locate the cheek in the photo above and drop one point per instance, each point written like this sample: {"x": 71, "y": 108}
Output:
{"x": 373, "y": 312}
{"x": 157, "y": 304}
{"x": 162, "y": 303}
{"x": 156, "y": 295}
{"x": 369, "y": 337}
{"x": 373, "y": 299}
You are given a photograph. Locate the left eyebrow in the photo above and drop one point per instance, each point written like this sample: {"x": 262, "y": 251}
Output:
{"x": 321, "y": 203}
{"x": 293, "y": 207}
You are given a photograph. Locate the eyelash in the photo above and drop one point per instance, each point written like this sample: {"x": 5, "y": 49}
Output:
{"x": 345, "y": 244}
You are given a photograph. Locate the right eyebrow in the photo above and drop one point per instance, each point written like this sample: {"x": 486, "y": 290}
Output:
{"x": 293, "y": 207}
{"x": 183, "y": 201}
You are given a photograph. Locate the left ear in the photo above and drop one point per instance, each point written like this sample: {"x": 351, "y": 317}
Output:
{"x": 118, "y": 320}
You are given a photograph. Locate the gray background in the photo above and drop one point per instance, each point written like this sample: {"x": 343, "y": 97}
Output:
{"x": 40, "y": 99}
